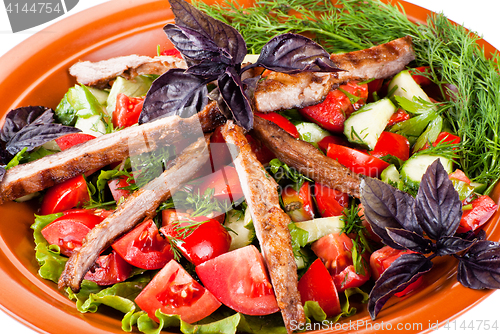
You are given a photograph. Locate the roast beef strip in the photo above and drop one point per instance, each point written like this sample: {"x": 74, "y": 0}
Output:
{"x": 99, "y": 74}
{"x": 285, "y": 91}
{"x": 271, "y": 225}
{"x": 140, "y": 205}
{"x": 306, "y": 158}
{"x": 45, "y": 172}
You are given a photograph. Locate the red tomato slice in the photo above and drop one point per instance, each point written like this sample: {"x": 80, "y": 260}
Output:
{"x": 359, "y": 92}
{"x": 282, "y": 122}
{"x": 219, "y": 152}
{"x": 144, "y": 247}
{"x": 418, "y": 74}
{"x": 381, "y": 259}
{"x": 323, "y": 143}
{"x": 109, "y": 269}
{"x": 263, "y": 154}
{"x": 357, "y": 161}
{"x": 330, "y": 202}
{"x": 483, "y": 208}
{"x": 392, "y": 144}
{"x": 335, "y": 252}
{"x": 367, "y": 225}
{"x": 298, "y": 205}
{"x": 239, "y": 280}
{"x": 68, "y": 231}
{"x": 65, "y": 195}
{"x": 399, "y": 116}
{"x": 72, "y": 139}
{"x": 317, "y": 285}
{"x": 174, "y": 291}
{"x": 171, "y": 52}
{"x": 127, "y": 110}
{"x": 115, "y": 186}
{"x": 446, "y": 138}
{"x": 206, "y": 241}
{"x": 374, "y": 86}
{"x": 460, "y": 176}
{"x": 226, "y": 184}
{"x": 331, "y": 113}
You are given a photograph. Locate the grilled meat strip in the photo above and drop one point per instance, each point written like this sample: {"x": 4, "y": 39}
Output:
{"x": 139, "y": 206}
{"x": 100, "y": 73}
{"x": 285, "y": 91}
{"x": 306, "y": 158}
{"x": 271, "y": 224}
{"x": 43, "y": 173}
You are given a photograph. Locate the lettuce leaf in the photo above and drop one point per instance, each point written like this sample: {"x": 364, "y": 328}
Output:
{"x": 48, "y": 257}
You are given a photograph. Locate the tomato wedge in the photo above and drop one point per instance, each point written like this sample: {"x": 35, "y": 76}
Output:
{"x": 358, "y": 93}
{"x": 239, "y": 280}
{"x": 144, "y": 247}
{"x": 127, "y": 110}
{"x": 109, "y": 269}
{"x": 482, "y": 209}
{"x": 392, "y": 144}
{"x": 174, "y": 291}
{"x": 317, "y": 285}
{"x": 298, "y": 205}
{"x": 330, "y": 202}
{"x": 331, "y": 113}
{"x": 204, "y": 242}
{"x": 282, "y": 122}
{"x": 226, "y": 184}
{"x": 419, "y": 75}
{"x": 69, "y": 230}
{"x": 65, "y": 195}
{"x": 381, "y": 259}
{"x": 171, "y": 52}
{"x": 116, "y": 186}
{"x": 72, "y": 139}
{"x": 323, "y": 143}
{"x": 357, "y": 161}
{"x": 399, "y": 116}
{"x": 335, "y": 250}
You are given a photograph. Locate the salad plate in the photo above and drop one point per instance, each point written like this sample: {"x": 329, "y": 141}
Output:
{"x": 40, "y": 77}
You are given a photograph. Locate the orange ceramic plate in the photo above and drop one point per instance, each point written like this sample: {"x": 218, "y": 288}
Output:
{"x": 40, "y": 77}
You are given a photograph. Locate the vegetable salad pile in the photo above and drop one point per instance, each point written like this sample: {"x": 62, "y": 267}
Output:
{"x": 408, "y": 134}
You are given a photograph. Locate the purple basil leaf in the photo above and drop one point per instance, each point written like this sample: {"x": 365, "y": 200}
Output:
{"x": 2, "y": 172}
{"x": 479, "y": 268}
{"x": 19, "y": 118}
{"x": 410, "y": 240}
{"x": 30, "y": 127}
{"x": 232, "y": 91}
{"x": 452, "y": 245}
{"x": 292, "y": 53}
{"x": 438, "y": 206}
{"x": 195, "y": 47}
{"x": 174, "y": 93}
{"x": 405, "y": 270}
{"x": 386, "y": 206}
{"x": 208, "y": 69}
{"x": 224, "y": 36}
{"x": 471, "y": 235}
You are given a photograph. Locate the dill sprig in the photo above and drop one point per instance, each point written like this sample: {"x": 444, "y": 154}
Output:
{"x": 450, "y": 51}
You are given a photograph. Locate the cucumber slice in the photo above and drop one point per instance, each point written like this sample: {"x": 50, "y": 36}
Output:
{"x": 415, "y": 167}
{"x": 365, "y": 125}
{"x": 92, "y": 125}
{"x": 319, "y": 227}
{"x": 100, "y": 95}
{"x": 403, "y": 85}
{"x": 390, "y": 174}
{"x": 136, "y": 87}
{"x": 311, "y": 132}
{"x": 240, "y": 228}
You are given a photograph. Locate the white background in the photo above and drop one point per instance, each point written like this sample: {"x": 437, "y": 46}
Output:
{"x": 479, "y": 15}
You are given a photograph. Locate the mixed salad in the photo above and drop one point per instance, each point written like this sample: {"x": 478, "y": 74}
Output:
{"x": 196, "y": 264}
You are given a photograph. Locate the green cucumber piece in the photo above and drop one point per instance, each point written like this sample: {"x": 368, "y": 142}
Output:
{"x": 403, "y": 85}
{"x": 319, "y": 227}
{"x": 135, "y": 87}
{"x": 415, "y": 167}
{"x": 365, "y": 125}
{"x": 93, "y": 125}
{"x": 240, "y": 228}
{"x": 311, "y": 132}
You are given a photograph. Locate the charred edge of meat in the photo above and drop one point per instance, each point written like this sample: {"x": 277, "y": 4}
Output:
{"x": 306, "y": 158}
{"x": 271, "y": 225}
{"x": 99, "y": 152}
{"x": 138, "y": 206}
